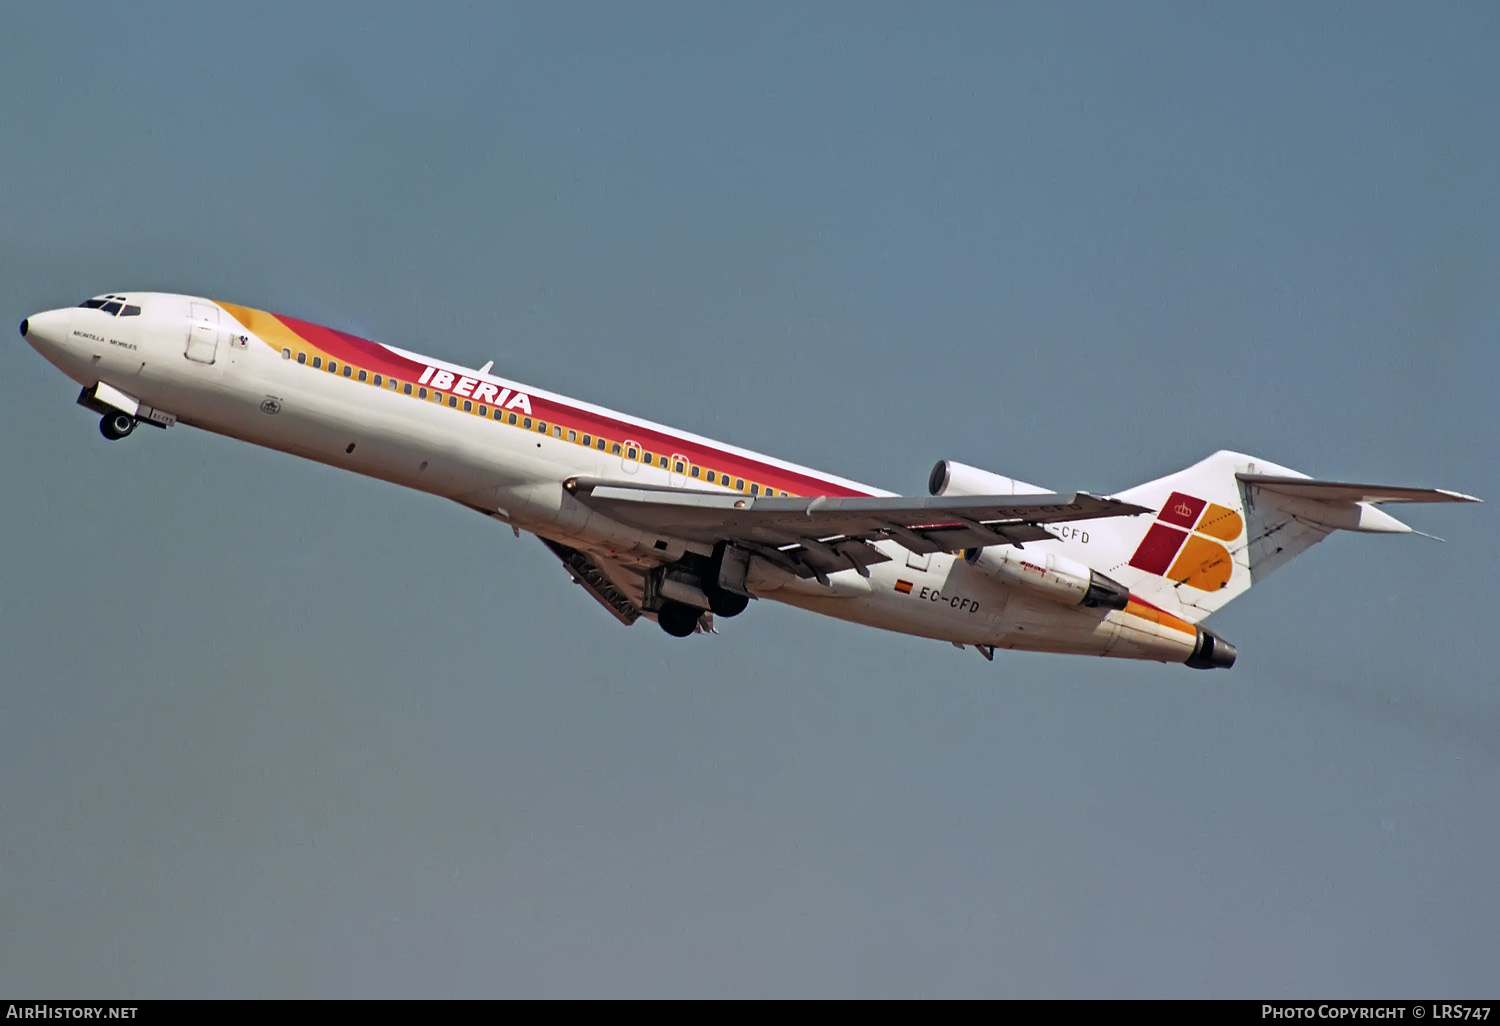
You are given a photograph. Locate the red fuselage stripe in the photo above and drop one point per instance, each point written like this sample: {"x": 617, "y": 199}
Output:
{"x": 376, "y": 358}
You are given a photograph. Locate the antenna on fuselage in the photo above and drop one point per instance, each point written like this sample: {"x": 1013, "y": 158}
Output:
{"x": 486, "y": 368}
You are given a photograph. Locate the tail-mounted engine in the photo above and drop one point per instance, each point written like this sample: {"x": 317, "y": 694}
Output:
{"x": 1052, "y": 576}
{"x": 1047, "y": 574}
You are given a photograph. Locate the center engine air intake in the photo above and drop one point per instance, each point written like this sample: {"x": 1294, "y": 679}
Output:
{"x": 951, "y": 478}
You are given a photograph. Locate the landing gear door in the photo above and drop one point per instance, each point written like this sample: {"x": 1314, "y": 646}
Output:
{"x": 204, "y": 334}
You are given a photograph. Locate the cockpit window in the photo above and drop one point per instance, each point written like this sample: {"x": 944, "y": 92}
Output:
{"x": 112, "y": 305}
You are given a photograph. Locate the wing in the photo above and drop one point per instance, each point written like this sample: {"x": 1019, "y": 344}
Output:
{"x": 813, "y": 537}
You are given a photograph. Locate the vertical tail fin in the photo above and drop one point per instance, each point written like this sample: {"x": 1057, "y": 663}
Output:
{"x": 1227, "y": 522}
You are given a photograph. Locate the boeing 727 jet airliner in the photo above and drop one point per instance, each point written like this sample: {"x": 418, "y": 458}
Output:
{"x": 666, "y": 525}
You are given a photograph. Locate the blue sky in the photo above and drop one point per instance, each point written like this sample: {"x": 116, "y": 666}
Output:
{"x": 270, "y": 730}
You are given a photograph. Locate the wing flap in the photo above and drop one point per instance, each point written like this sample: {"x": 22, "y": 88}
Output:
{"x": 597, "y": 582}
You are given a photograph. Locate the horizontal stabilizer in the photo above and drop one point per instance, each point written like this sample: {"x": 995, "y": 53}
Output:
{"x": 1337, "y": 491}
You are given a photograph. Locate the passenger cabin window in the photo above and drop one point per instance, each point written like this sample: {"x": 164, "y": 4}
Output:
{"x": 648, "y": 458}
{"x": 406, "y": 388}
{"x": 362, "y": 376}
{"x": 377, "y": 379}
{"x": 615, "y": 448}
{"x": 572, "y": 436}
{"x": 348, "y": 371}
{"x": 526, "y": 423}
{"x": 421, "y": 393}
{"x": 696, "y": 471}
{"x": 556, "y": 431}
{"x": 484, "y": 411}
{"x": 302, "y": 358}
{"x": 631, "y": 452}
{"x": 679, "y": 467}
{"x": 599, "y": 444}
{"x": 317, "y": 363}
{"x": 709, "y": 477}
{"x": 739, "y": 484}
{"x": 588, "y": 440}
{"x": 286, "y": 354}
{"x": 453, "y": 401}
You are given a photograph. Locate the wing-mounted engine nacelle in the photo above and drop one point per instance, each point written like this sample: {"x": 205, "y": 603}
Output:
{"x": 1052, "y": 576}
{"x": 952, "y": 478}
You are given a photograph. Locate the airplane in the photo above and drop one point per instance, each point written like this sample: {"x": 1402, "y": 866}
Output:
{"x": 659, "y": 524}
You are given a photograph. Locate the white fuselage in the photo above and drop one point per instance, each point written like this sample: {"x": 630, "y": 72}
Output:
{"x": 249, "y": 375}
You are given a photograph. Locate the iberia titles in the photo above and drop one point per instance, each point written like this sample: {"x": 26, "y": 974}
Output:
{"x": 473, "y": 388}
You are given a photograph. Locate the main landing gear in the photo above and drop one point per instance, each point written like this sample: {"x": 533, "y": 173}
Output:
{"x": 678, "y": 592}
{"x": 678, "y": 618}
{"x": 726, "y": 603}
{"x": 116, "y": 425}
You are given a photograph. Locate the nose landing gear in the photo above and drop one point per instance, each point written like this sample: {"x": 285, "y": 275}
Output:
{"x": 116, "y": 425}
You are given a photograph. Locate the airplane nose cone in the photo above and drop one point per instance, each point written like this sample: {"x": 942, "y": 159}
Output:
{"x": 49, "y": 328}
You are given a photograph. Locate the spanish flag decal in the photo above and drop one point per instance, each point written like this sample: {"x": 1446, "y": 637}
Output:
{"x": 904, "y": 587}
